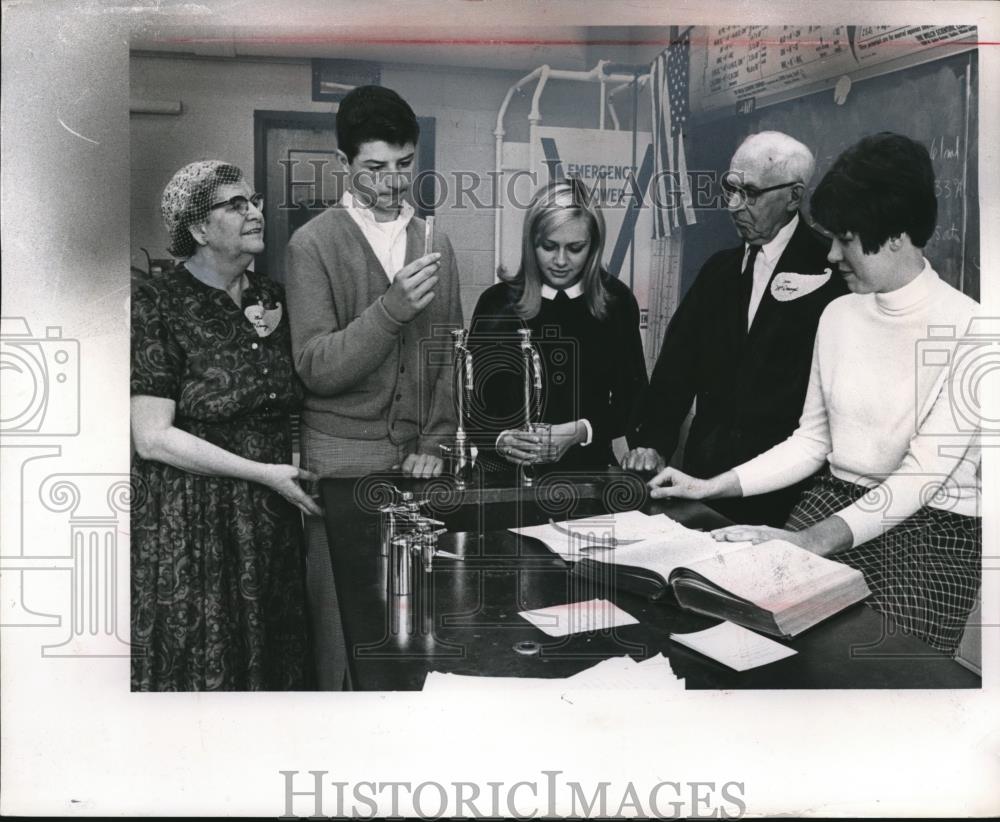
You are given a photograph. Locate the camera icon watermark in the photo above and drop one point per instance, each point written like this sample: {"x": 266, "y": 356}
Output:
{"x": 67, "y": 525}
{"x": 969, "y": 362}
{"x": 39, "y": 381}
{"x": 87, "y": 514}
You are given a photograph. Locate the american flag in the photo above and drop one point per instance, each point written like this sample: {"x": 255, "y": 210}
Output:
{"x": 671, "y": 190}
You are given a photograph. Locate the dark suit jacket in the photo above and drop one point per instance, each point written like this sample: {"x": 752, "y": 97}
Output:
{"x": 749, "y": 386}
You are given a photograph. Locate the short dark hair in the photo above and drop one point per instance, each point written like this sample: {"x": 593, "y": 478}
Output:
{"x": 879, "y": 188}
{"x": 371, "y": 113}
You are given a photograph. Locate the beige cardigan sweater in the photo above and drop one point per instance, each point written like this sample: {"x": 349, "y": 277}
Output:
{"x": 367, "y": 376}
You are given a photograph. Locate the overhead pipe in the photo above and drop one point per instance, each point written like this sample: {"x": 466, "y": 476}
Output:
{"x": 642, "y": 79}
{"x": 498, "y": 135}
{"x": 604, "y": 103}
{"x": 535, "y": 115}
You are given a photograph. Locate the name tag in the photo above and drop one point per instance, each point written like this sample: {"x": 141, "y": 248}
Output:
{"x": 264, "y": 320}
{"x": 788, "y": 285}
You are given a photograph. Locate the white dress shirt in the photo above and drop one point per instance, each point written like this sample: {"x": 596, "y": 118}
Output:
{"x": 574, "y": 291}
{"x": 765, "y": 263}
{"x": 388, "y": 240}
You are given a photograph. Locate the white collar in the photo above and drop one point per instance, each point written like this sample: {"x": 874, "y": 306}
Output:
{"x": 349, "y": 201}
{"x": 773, "y": 250}
{"x": 574, "y": 291}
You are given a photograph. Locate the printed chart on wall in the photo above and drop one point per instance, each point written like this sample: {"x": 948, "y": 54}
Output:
{"x": 743, "y": 64}
{"x": 829, "y": 86}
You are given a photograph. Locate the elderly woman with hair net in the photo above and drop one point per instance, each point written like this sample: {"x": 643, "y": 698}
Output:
{"x": 217, "y": 574}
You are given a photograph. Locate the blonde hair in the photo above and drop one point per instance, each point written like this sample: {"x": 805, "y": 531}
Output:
{"x": 553, "y": 206}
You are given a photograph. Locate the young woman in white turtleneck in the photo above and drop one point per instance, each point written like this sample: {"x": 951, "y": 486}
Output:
{"x": 888, "y": 409}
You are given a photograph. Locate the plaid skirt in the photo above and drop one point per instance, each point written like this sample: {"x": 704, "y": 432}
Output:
{"x": 924, "y": 573}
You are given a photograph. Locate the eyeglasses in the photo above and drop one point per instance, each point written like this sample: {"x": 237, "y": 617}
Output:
{"x": 748, "y": 195}
{"x": 241, "y": 204}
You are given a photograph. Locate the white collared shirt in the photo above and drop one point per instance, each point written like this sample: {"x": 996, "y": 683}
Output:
{"x": 387, "y": 240}
{"x": 765, "y": 263}
{"x": 574, "y": 291}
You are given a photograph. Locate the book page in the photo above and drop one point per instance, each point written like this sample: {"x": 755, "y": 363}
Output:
{"x": 774, "y": 575}
{"x": 663, "y": 556}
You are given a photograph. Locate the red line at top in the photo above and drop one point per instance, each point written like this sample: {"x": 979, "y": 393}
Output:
{"x": 508, "y": 41}
{"x": 416, "y": 41}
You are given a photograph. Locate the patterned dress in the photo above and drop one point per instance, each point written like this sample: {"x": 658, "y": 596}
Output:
{"x": 217, "y": 563}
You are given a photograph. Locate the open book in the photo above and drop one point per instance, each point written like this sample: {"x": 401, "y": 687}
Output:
{"x": 774, "y": 587}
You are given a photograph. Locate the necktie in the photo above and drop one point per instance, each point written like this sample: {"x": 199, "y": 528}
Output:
{"x": 746, "y": 284}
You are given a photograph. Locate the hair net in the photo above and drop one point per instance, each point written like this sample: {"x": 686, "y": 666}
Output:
{"x": 188, "y": 197}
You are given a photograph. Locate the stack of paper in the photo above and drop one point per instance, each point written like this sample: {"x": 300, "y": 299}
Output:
{"x": 616, "y": 673}
{"x": 596, "y": 537}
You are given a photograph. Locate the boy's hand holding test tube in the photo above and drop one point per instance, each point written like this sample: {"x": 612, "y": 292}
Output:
{"x": 410, "y": 292}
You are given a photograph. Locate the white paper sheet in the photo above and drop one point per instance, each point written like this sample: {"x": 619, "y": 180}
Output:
{"x": 734, "y": 646}
{"x": 578, "y": 617}
{"x": 634, "y": 533}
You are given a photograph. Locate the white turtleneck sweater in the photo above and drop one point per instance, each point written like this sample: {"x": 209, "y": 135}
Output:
{"x": 887, "y": 407}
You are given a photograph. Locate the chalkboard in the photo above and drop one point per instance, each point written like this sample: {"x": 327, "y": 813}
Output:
{"x": 928, "y": 102}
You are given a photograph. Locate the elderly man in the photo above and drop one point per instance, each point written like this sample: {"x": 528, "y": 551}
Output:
{"x": 740, "y": 343}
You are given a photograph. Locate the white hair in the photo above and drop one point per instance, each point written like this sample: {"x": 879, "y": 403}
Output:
{"x": 785, "y": 156}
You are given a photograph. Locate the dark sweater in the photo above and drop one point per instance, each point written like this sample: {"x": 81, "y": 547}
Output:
{"x": 592, "y": 369}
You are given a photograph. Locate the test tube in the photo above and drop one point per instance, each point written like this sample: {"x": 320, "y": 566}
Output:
{"x": 428, "y": 544}
{"x": 428, "y": 235}
{"x": 399, "y": 566}
{"x": 388, "y": 528}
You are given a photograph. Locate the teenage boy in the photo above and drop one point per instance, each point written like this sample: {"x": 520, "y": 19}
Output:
{"x": 362, "y": 296}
